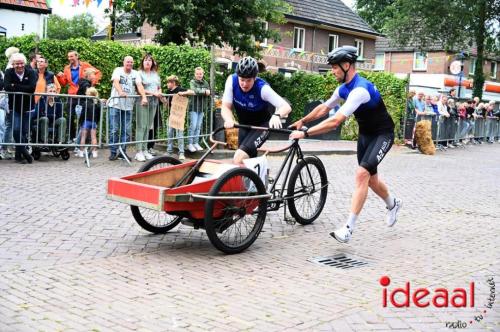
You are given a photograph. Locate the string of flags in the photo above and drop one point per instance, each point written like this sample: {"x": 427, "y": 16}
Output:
{"x": 76, "y": 3}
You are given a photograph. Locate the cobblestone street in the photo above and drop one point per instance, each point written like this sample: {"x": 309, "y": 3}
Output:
{"x": 71, "y": 260}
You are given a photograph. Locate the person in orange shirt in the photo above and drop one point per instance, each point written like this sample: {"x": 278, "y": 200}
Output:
{"x": 71, "y": 76}
{"x": 74, "y": 71}
{"x": 45, "y": 77}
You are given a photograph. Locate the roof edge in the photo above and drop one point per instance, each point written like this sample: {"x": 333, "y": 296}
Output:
{"x": 26, "y": 8}
{"x": 319, "y": 23}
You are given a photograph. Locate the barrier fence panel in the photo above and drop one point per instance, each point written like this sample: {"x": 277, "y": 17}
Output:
{"x": 457, "y": 131}
{"x": 129, "y": 123}
{"x": 47, "y": 122}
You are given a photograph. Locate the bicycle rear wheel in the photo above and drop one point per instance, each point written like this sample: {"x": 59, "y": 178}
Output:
{"x": 157, "y": 222}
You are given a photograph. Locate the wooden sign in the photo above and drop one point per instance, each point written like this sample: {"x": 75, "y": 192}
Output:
{"x": 178, "y": 110}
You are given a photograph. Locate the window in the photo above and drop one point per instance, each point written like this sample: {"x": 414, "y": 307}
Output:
{"x": 333, "y": 42}
{"x": 420, "y": 61}
{"x": 299, "y": 35}
{"x": 472, "y": 68}
{"x": 359, "y": 44}
{"x": 379, "y": 61}
{"x": 493, "y": 69}
{"x": 266, "y": 27}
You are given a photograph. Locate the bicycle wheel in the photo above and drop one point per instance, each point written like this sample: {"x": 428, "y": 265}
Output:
{"x": 157, "y": 222}
{"x": 232, "y": 225}
{"x": 308, "y": 187}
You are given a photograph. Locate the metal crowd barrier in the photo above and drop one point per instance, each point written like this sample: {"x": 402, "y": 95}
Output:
{"x": 44, "y": 122}
{"x": 453, "y": 131}
{"x": 131, "y": 124}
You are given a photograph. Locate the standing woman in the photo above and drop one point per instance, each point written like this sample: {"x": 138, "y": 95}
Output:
{"x": 148, "y": 70}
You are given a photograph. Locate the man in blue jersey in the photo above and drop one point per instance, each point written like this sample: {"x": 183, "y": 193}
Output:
{"x": 376, "y": 133}
{"x": 251, "y": 97}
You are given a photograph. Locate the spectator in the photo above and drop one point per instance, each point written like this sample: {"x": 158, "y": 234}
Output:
{"x": 20, "y": 78}
{"x": 419, "y": 103}
{"x": 126, "y": 81}
{"x": 88, "y": 121}
{"x": 434, "y": 103}
{"x": 8, "y": 138}
{"x": 145, "y": 115}
{"x": 452, "y": 110}
{"x": 198, "y": 105}
{"x": 34, "y": 57}
{"x": 71, "y": 76}
{"x": 3, "y": 112}
{"x": 174, "y": 88}
{"x": 74, "y": 71}
{"x": 8, "y": 54}
{"x": 452, "y": 93}
{"x": 49, "y": 111}
{"x": 442, "y": 108}
{"x": 89, "y": 76}
{"x": 491, "y": 119}
{"x": 428, "y": 106}
{"x": 45, "y": 77}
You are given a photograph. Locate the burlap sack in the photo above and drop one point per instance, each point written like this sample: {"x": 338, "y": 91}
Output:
{"x": 232, "y": 138}
{"x": 423, "y": 136}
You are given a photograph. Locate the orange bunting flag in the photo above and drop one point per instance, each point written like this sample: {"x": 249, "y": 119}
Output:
{"x": 87, "y": 2}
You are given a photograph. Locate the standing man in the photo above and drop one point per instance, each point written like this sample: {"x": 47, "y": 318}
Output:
{"x": 74, "y": 72}
{"x": 20, "y": 78}
{"x": 71, "y": 76}
{"x": 376, "y": 133}
{"x": 251, "y": 96}
{"x": 198, "y": 104}
{"x": 45, "y": 78}
{"x": 125, "y": 82}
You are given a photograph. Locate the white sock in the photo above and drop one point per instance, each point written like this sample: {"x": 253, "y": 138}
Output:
{"x": 389, "y": 201}
{"x": 351, "y": 222}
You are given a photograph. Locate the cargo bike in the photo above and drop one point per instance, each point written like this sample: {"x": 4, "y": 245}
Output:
{"x": 228, "y": 201}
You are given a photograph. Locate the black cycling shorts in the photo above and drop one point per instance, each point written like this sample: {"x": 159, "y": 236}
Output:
{"x": 250, "y": 140}
{"x": 372, "y": 149}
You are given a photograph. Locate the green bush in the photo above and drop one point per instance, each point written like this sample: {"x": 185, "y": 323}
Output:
{"x": 302, "y": 88}
{"x": 107, "y": 55}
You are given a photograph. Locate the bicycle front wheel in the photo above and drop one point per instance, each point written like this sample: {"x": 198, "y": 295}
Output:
{"x": 307, "y": 189}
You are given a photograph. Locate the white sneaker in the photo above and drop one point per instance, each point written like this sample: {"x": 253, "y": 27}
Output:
{"x": 181, "y": 156}
{"x": 191, "y": 148}
{"x": 392, "y": 214}
{"x": 139, "y": 156}
{"x": 198, "y": 147}
{"x": 342, "y": 234}
{"x": 80, "y": 153}
{"x": 152, "y": 152}
{"x": 148, "y": 155}
{"x": 95, "y": 154}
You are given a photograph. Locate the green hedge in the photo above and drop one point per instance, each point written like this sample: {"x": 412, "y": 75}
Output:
{"x": 300, "y": 89}
{"x": 107, "y": 55}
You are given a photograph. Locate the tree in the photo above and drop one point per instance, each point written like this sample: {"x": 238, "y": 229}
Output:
{"x": 374, "y": 12}
{"x": 236, "y": 23}
{"x": 455, "y": 24}
{"x": 79, "y": 26}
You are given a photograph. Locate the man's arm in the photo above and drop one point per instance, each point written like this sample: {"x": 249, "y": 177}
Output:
{"x": 61, "y": 77}
{"x": 227, "y": 114}
{"x": 118, "y": 87}
{"x": 319, "y": 111}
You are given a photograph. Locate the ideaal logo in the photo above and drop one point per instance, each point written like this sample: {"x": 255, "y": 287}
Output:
{"x": 439, "y": 298}
{"x": 423, "y": 297}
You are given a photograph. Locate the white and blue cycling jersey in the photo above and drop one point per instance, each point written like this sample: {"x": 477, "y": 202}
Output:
{"x": 364, "y": 101}
{"x": 252, "y": 107}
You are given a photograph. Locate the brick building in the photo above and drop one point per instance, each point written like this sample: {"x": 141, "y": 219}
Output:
{"x": 429, "y": 70}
